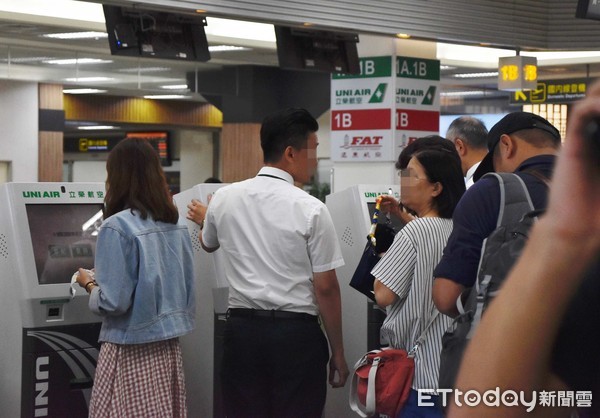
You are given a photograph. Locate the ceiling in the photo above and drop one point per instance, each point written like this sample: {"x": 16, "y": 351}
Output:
{"x": 25, "y": 54}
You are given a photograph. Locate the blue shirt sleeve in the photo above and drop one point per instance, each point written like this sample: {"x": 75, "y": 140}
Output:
{"x": 474, "y": 219}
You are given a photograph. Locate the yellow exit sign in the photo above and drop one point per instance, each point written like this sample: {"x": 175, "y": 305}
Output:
{"x": 517, "y": 73}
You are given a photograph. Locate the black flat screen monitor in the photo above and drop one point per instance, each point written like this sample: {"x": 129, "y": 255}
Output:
{"x": 588, "y": 9}
{"x": 317, "y": 50}
{"x": 63, "y": 237}
{"x": 154, "y": 34}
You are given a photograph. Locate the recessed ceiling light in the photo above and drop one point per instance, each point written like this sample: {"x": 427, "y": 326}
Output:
{"x": 88, "y": 79}
{"x": 223, "y": 48}
{"x": 165, "y": 96}
{"x": 476, "y": 75}
{"x": 97, "y": 127}
{"x": 76, "y": 35}
{"x": 403, "y": 35}
{"x": 21, "y": 60}
{"x": 145, "y": 70}
{"x": 175, "y": 87}
{"x": 77, "y": 61}
{"x": 200, "y": 11}
{"x": 83, "y": 91}
{"x": 462, "y": 93}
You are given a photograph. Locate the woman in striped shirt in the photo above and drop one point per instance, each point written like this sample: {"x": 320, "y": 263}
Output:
{"x": 430, "y": 186}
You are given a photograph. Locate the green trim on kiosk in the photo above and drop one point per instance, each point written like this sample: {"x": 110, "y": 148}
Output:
{"x": 54, "y": 301}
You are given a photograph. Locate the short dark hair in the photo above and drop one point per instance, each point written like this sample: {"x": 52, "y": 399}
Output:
{"x": 430, "y": 141}
{"x": 136, "y": 181}
{"x": 443, "y": 167}
{"x": 288, "y": 127}
{"x": 539, "y": 138}
{"x": 471, "y": 130}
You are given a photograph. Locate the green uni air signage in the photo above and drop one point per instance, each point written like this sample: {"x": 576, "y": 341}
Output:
{"x": 408, "y": 67}
{"x": 40, "y": 194}
{"x": 370, "y": 67}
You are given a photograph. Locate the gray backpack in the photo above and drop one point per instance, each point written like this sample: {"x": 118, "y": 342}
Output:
{"x": 498, "y": 254}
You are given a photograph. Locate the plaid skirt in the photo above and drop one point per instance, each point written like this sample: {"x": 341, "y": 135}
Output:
{"x": 139, "y": 380}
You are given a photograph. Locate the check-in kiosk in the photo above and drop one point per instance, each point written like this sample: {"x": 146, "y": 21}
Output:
{"x": 351, "y": 210}
{"x": 48, "y": 336}
{"x": 202, "y": 349}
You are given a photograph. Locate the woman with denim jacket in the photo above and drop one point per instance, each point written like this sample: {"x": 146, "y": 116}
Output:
{"x": 143, "y": 287}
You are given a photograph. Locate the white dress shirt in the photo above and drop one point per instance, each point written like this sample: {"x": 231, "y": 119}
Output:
{"x": 469, "y": 177}
{"x": 273, "y": 236}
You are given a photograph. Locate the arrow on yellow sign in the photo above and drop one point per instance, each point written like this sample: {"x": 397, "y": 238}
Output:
{"x": 520, "y": 96}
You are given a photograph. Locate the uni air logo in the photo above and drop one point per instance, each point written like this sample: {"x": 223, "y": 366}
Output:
{"x": 379, "y": 93}
{"x": 429, "y": 96}
{"x": 41, "y": 194}
{"x": 41, "y": 386}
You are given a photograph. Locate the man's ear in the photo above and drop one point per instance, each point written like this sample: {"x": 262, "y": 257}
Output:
{"x": 288, "y": 153}
{"x": 508, "y": 146}
{"x": 460, "y": 146}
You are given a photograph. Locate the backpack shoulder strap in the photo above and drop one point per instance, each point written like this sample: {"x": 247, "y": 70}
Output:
{"x": 514, "y": 198}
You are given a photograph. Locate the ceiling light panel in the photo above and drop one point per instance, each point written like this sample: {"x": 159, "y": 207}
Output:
{"x": 76, "y": 35}
{"x": 83, "y": 91}
{"x": 77, "y": 61}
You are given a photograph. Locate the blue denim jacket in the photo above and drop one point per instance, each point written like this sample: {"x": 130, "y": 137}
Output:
{"x": 144, "y": 270}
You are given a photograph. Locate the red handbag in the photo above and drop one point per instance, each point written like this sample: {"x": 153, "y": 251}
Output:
{"x": 381, "y": 382}
{"x": 383, "y": 378}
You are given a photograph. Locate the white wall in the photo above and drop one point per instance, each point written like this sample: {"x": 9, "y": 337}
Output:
{"x": 19, "y": 122}
{"x": 89, "y": 171}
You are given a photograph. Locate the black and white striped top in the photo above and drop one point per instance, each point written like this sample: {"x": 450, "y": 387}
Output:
{"x": 407, "y": 270}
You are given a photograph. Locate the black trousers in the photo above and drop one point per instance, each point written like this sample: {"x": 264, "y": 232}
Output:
{"x": 274, "y": 367}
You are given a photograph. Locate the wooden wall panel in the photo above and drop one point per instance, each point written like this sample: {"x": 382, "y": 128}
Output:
{"x": 50, "y": 96}
{"x": 137, "y": 110}
{"x": 50, "y": 144}
{"x": 50, "y": 156}
{"x": 241, "y": 154}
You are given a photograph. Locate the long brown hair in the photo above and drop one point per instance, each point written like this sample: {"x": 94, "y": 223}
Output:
{"x": 136, "y": 181}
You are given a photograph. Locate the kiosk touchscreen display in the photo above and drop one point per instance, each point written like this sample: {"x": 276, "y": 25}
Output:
{"x": 396, "y": 223}
{"x": 63, "y": 237}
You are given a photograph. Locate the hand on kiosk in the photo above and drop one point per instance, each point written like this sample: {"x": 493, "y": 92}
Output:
{"x": 197, "y": 212}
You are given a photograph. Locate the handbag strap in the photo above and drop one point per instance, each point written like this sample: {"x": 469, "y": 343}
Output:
{"x": 370, "y": 400}
{"x": 421, "y": 339}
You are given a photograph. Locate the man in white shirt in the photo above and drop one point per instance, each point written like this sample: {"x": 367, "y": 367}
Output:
{"x": 280, "y": 254}
{"x": 469, "y": 136}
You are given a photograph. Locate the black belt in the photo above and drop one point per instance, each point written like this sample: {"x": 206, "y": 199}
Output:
{"x": 272, "y": 314}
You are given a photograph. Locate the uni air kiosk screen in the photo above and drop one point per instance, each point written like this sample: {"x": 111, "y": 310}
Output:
{"x": 202, "y": 348}
{"x": 48, "y": 336}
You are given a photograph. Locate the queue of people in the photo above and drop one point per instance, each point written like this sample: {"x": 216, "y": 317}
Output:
{"x": 283, "y": 338}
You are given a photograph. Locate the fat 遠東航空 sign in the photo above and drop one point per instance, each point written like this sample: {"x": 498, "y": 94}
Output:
{"x": 375, "y": 114}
